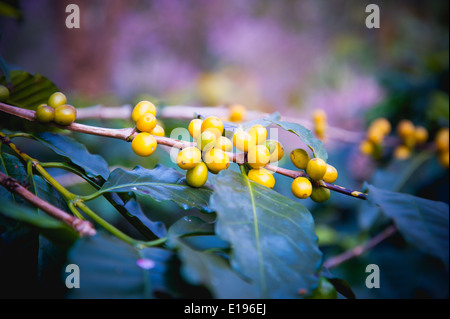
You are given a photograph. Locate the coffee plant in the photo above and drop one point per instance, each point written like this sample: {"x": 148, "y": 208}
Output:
{"x": 236, "y": 236}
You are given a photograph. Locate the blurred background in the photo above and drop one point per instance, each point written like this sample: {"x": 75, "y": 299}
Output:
{"x": 286, "y": 56}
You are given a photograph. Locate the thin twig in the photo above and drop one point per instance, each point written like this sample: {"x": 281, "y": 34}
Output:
{"x": 84, "y": 228}
{"x": 357, "y": 251}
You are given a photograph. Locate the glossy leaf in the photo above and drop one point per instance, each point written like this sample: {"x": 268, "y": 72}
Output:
{"x": 112, "y": 269}
{"x": 160, "y": 183}
{"x": 306, "y": 136}
{"x": 424, "y": 223}
{"x": 273, "y": 239}
{"x": 75, "y": 152}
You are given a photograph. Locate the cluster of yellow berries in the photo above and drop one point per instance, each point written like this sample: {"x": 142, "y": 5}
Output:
{"x": 318, "y": 170}
{"x": 56, "y": 110}
{"x": 320, "y": 122}
{"x": 210, "y": 152}
{"x": 144, "y": 115}
{"x": 376, "y": 133}
{"x": 441, "y": 141}
{"x": 410, "y": 136}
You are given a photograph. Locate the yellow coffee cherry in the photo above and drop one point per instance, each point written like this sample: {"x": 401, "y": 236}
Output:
{"x": 402, "y": 152}
{"x": 144, "y": 144}
{"x": 188, "y": 158}
{"x": 259, "y": 133}
{"x": 197, "y": 176}
{"x": 258, "y": 156}
{"x": 195, "y": 128}
{"x": 443, "y": 159}
{"x": 366, "y": 147}
{"x": 141, "y": 108}
{"x": 276, "y": 150}
{"x": 206, "y": 141}
{"x": 316, "y": 168}
{"x": 420, "y": 135}
{"x": 301, "y": 187}
{"x": 45, "y": 113}
{"x": 441, "y": 140}
{"x": 375, "y": 135}
{"x": 158, "y": 130}
{"x": 320, "y": 129}
{"x": 237, "y": 113}
{"x": 320, "y": 194}
{"x": 216, "y": 160}
{"x": 214, "y": 124}
{"x": 300, "y": 158}
{"x": 146, "y": 123}
{"x": 65, "y": 114}
{"x": 383, "y": 125}
{"x": 331, "y": 174}
{"x": 224, "y": 144}
{"x": 57, "y": 99}
{"x": 243, "y": 141}
{"x": 405, "y": 129}
{"x": 319, "y": 116}
{"x": 262, "y": 176}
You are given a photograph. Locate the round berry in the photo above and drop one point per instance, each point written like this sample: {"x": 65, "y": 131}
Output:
{"x": 366, "y": 147}
{"x": 316, "y": 168}
{"x": 383, "y": 125}
{"x": 144, "y": 144}
{"x": 57, "y": 99}
{"x": 146, "y": 123}
{"x": 188, "y": 158}
{"x": 216, "y": 160}
{"x": 421, "y": 135}
{"x": 243, "y": 141}
{"x": 237, "y": 113}
{"x": 402, "y": 152}
{"x": 301, "y": 187}
{"x": 320, "y": 194}
{"x": 224, "y": 144}
{"x": 405, "y": 129}
{"x": 300, "y": 158}
{"x": 213, "y": 124}
{"x": 443, "y": 158}
{"x": 375, "y": 135}
{"x": 65, "y": 114}
{"x": 4, "y": 93}
{"x": 197, "y": 176}
{"x": 441, "y": 139}
{"x": 195, "y": 128}
{"x": 158, "y": 130}
{"x": 206, "y": 141}
{"x": 262, "y": 176}
{"x": 258, "y": 156}
{"x": 331, "y": 174}
{"x": 276, "y": 150}
{"x": 319, "y": 116}
{"x": 45, "y": 113}
{"x": 259, "y": 134}
{"x": 141, "y": 108}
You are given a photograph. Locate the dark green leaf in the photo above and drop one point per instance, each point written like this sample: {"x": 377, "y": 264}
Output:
{"x": 188, "y": 226}
{"x": 273, "y": 239}
{"x": 58, "y": 232}
{"x": 13, "y": 167}
{"x": 111, "y": 269}
{"x": 306, "y": 136}
{"x": 75, "y": 152}
{"x": 161, "y": 183}
{"x": 424, "y": 223}
{"x": 28, "y": 90}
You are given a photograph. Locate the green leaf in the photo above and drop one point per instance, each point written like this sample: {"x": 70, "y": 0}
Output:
{"x": 111, "y": 269}
{"x": 13, "y": 167}
{"x": 9, "y": 11}
{"x": 161, "y": 183}
{"x": 55, "y": 230}
{"x": 306, "y": 136}
{"x": 423, "y": 223}
{"x": 75, "y": 152}
{"x": 28, "y": 90}
{"x": 188, "y": 226}
{"x": 273, "y": 239}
